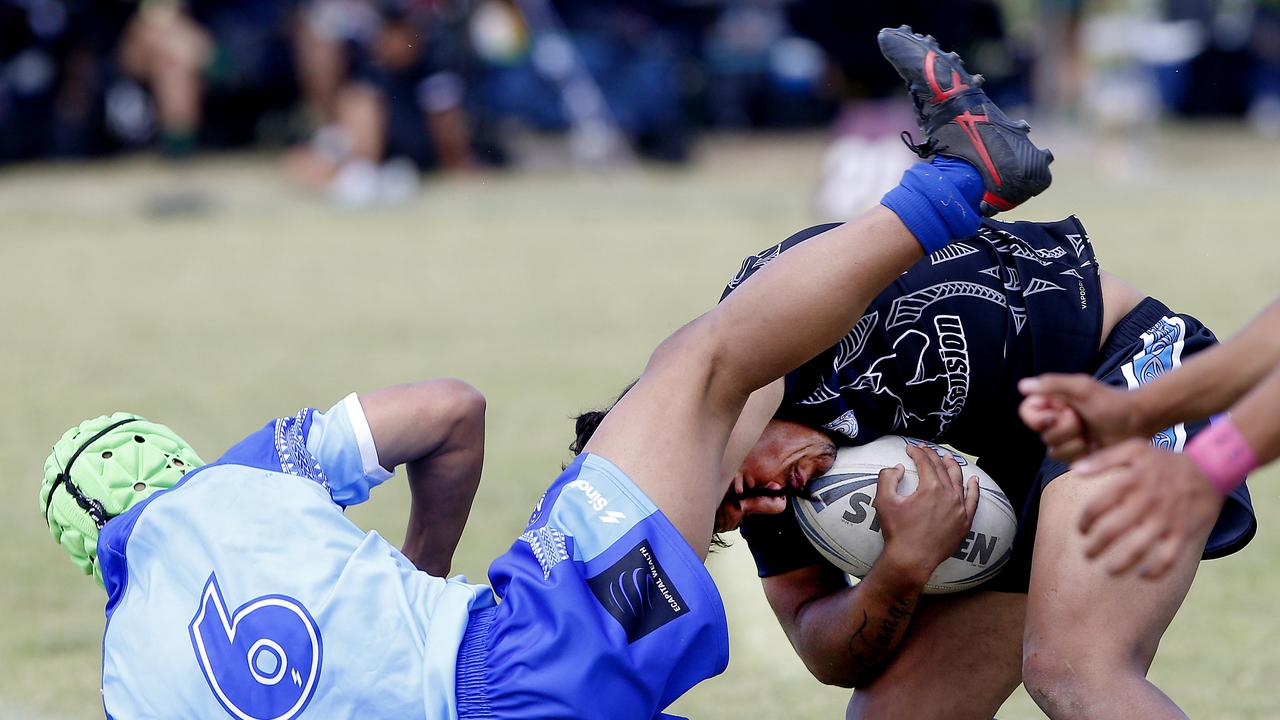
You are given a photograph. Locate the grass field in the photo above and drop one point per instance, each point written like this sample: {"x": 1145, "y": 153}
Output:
{"x": 547, "y": 291}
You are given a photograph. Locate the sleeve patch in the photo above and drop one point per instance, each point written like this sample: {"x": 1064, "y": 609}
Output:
{"x": 291, "y": 446}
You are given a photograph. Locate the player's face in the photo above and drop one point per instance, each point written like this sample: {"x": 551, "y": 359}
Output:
{"x": 787, "y": 456}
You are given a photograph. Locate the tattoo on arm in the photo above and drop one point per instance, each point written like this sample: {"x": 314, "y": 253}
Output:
{"x": 869, "y": 651}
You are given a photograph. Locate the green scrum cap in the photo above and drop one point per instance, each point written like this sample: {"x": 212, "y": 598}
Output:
{"x": 101, "y": 468}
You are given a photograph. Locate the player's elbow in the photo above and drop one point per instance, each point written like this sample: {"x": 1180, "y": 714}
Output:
{"x": 827, "y": 656}
{"x": 839, "y": 671}
{"x": 832, "y": 673}
{"x": 455, "y": 401}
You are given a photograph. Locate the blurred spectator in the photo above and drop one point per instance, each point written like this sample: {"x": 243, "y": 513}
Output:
{"x": 388, "y": 88}
{"x": 1200, "y": 57}
{"x": 594, "y": 68}
{"x": 32, "y": 53}
{"x": 1060, "y": 67}
{"x": 1212, "y": 75}
{"x": 865, "y": 157}
{"x": 80, "y": 77}
{"x": 760, "y": 73}
{"x": 166, "y": 51}
{"x": 1264, "y": 85}
{"x": 251, "y": 78}
{"x": 53, "y": 77}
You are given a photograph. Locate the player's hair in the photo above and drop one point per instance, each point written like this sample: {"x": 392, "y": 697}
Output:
{"x": 584, "y": 426}
{"x": 586, "y": 423}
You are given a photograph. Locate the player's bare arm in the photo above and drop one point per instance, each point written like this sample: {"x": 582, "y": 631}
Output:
{"x": 436, "y": 430}
{"x": 697, "y": 382}
{"x": 1075, "y": 414}
{"x": 846, "y": 634}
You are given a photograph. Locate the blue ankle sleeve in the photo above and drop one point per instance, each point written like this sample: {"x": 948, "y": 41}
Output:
{"x": 938, "y": 202}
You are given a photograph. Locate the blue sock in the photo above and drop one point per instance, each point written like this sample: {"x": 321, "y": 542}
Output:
{"x": 938, "y": 202}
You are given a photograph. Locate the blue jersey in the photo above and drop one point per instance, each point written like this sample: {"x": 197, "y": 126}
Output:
{"x": 244, "y": 591}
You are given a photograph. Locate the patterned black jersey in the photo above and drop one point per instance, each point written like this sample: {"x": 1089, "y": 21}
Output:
{"x": 938, "y": 354}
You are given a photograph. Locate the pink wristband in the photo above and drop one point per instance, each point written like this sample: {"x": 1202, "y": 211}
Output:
{"x": 1222, "y": 454}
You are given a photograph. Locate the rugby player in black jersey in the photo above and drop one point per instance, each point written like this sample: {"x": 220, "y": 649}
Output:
{"x": 938, "y": 356}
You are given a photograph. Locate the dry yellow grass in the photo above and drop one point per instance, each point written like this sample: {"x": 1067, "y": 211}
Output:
{"x": 547, "y": 291}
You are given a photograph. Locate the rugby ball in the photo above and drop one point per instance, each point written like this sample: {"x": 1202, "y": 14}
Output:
{"x": 840, "y": 522}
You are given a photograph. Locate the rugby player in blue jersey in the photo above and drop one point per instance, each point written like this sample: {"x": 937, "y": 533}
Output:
{"x": 938, "y": 355}
{"x": 241, "y": 590}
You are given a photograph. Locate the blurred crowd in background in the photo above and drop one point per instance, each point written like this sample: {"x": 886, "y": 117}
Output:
{"x": 361, "y": 96}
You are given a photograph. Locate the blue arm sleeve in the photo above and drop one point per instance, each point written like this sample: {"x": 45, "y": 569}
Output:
{"x": 342, "y": 444}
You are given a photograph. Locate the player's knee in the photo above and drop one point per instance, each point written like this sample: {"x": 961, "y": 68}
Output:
{"x": 1052, "y": 683}
{"x": 691, "y": 357}
{"x": 1065, "y": 684}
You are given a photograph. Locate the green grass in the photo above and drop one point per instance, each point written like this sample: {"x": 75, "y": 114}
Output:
{"x": 547, "y": 291}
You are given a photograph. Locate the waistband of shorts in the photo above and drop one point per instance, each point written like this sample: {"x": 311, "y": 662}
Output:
{"x": 472, "y": 682}
{"x": 1144, "y": 316}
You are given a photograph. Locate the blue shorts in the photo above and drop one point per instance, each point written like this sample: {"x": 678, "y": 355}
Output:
{"x": 604, "y": 612}
{"x": 1147, "y": 342}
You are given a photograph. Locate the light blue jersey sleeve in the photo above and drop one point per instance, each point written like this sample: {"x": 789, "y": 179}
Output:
{"x": 341, "y": 442}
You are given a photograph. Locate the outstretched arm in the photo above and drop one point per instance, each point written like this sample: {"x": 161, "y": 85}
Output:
{"x": 1255, "y": 416}
{"x": 846, "y": 634}
{"x": 1075, "y": 414}
{"x": 436, "y": 430}
{"x": 1158, "y": 501}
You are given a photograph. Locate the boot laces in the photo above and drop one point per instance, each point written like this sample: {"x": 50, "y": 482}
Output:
{"x": 923, "y": 149}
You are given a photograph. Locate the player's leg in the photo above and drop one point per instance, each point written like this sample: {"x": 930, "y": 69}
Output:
{"x": 961, "y": 658}
{"x": 1091, "y": 637}
{"x": 669, "y": 432}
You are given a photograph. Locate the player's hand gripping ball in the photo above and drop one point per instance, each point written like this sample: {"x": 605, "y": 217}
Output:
{"x": 840, "y": 521}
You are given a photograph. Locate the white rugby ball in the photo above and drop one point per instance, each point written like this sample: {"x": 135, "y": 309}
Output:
{"x": 841, "y": 523}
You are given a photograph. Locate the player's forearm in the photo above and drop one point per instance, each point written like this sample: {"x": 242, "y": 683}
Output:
{"x": 435, "y": 429}
{"x": 442, "y": 487}
{"x": 1213, "y": 380}
{"x": 847, "y": 638}
{"x": 1256, "y": 418}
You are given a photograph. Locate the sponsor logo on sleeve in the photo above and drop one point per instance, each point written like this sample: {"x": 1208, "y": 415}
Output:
{"x": 638, "y": 593}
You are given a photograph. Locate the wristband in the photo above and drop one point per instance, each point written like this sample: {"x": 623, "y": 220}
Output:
{"x": 1221, "y": 453}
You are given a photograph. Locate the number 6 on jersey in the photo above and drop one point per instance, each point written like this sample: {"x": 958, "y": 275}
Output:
{"x": 262, "y": 662}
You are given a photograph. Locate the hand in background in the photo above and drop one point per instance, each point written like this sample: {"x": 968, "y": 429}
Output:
{"x": 1076, "y": 414}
